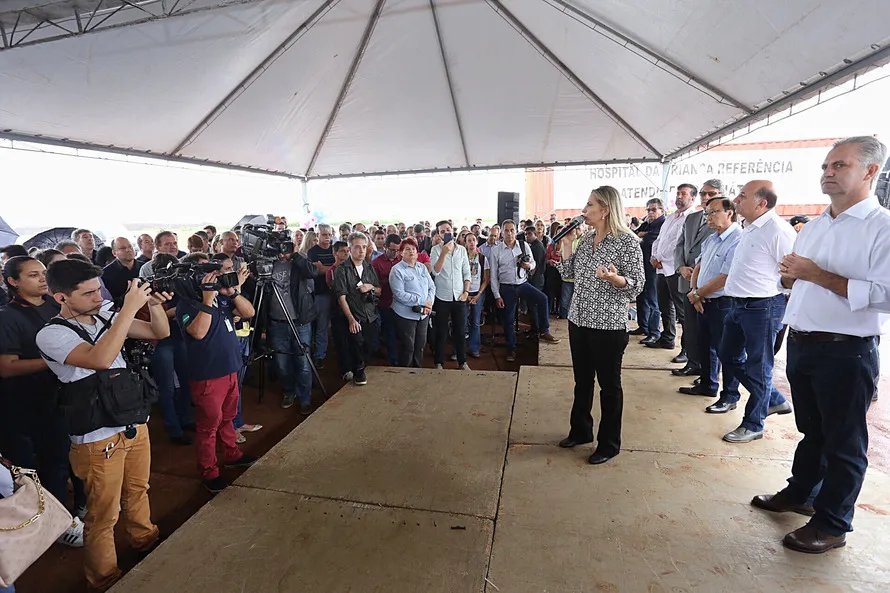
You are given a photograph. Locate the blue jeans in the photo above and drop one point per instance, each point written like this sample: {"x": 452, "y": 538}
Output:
{"x": 9, "y": 589}
{"x": 746, "y": 351}
{"x": 648, "y": 313}
{"x": 293, "y": 367}
{"x": 176, "y": 404}
{"x": 537, "y": 300}
{"x": 474, "y": 317}
{"x": 322, "y": 321}
{"x": 710, "y": 334}
{"x": 565, "y": 298}
{"x": 832, "y": 384}
{"x": 244, "y": 343}
{"x": 388, "y": 321}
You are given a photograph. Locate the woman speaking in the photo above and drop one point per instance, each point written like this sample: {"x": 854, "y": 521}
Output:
{"x": 608, "y": 270}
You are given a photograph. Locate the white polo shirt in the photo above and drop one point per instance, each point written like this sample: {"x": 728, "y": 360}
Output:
{"x": 755, "y": 266}
{"x": 855, "y": 245}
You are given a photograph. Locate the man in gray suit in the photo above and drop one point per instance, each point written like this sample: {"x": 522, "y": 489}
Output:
{"x": 695, "y": 231}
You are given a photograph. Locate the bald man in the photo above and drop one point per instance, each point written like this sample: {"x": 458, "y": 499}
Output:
{"x": 118, "y": 273}
{"x": 756, "y": 307}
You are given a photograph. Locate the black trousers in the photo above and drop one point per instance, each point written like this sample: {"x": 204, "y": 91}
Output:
{"x": 597, "y": 354}
{"x": 670, "y": 302}
{"x": 689, "y": 340}
{"x": 412, "y": 340}
{"x": 361, "y": 345}
{"x": 457, "y": 312}
{"x": 832, "y": 384}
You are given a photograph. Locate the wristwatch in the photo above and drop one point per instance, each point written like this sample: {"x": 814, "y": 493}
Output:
{"x": 235, "y": 295}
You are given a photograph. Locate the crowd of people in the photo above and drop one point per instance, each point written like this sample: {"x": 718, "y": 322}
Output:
{"x": 731, "y": 273}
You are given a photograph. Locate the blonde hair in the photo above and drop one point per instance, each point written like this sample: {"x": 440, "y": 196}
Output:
{"x": 609, "y": 198}
{"x": 308, "y": 238}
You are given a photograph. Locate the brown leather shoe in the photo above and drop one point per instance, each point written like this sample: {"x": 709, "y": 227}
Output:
{"x": 809, "y": 539}
{"x": 781, "y": 503}
{"x": 549, "y": 338}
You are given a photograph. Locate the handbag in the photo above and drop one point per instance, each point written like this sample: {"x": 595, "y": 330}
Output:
{"x": 31, "y": 519}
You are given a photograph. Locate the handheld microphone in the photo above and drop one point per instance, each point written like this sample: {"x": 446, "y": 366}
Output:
{"x": 575, "y": 223}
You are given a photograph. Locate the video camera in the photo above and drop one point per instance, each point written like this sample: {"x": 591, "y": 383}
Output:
{"x": 187, "y": 279}
{"x": 262, "y": 245}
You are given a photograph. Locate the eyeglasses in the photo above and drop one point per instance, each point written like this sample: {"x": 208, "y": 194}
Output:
{"x": 708, "y": 213}
{"x": 651, "y": 209}
{"x": 709, "y": 194}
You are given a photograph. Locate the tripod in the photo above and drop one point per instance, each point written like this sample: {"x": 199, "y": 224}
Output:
{"x": 262, "y": 282}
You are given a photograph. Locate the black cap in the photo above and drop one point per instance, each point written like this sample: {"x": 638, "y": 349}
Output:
{"x": 803, "y": 218}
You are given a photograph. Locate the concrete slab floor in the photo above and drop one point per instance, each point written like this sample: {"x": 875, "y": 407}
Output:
{"x": 636, "y": 356}
{"x": 415, "y": 438}
{"x": 662, "y": 522}
{"x": 258, "y": 541}
{"x": 656, "y": 416}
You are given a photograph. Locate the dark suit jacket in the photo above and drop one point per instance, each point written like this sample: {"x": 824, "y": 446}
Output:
{"x": 695, "y": 231}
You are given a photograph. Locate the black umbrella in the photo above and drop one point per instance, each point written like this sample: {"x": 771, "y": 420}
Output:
{"x": 251, "y": 219}
{"x": 50, "y": 238}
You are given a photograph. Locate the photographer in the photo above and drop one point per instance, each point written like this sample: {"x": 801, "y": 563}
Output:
{"x": 105, "y": 408}
{"x": 214, "y": 361}
{"x": 357, "y": 289}
{"x": 294, "y": 278}
{"x": 511, "y": 263}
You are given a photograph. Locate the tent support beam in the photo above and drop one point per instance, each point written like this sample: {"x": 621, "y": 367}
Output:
{"x": 132, "y": 152}
{"x": 460, "y": 128}
{"x": 635, "y": 46}
{"x": 569, "y": 74}
{"x": 248, "y": 80}
{"x": 486, "y": 168}
{"x": 805, "y": 90}
{"x": 353, "y": 68}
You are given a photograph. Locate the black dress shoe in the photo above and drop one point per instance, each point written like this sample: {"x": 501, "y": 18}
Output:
{"x": 720, "y": 407}
{"x": 680, "y": 358}
{"x": 697, "y": 381}
{"x": 660, "y": 344}
{"x": 569, "y": 442}
{"x": 598, "y": 458}
{"x": 686, "y": 371}
{"x": 648, "y": 340}
{"x": 637, "y": 332}
{"x": 697, "y": 390}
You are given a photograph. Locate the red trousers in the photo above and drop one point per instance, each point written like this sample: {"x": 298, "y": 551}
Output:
{"x": 216, "y": 404}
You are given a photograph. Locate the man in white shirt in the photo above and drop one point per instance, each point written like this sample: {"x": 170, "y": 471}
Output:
{"x": 750, "y": 329}
{"x": 509, "y": 282}
{"x": 839, "y": 276}
{"x": 670, "y": 299}
{"x": 451, "y": 274}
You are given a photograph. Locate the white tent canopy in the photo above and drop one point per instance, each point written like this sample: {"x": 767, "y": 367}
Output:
{"x": 324, "y": 88}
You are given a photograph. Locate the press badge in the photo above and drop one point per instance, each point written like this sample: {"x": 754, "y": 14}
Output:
{"x": 229, "y": 326}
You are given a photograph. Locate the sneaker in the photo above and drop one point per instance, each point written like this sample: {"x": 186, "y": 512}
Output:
{"x": 305, "y": 409}
{"x": 243, "y": 461}
{"x": 250, "y": 428}
{"x": 465, "y": 367}
{"x": 288, "y": 401}
{"x": 454, "y": 357}
{"x": 347, "y": 376}
{"x": 73, "y": 536}
{"x": 319, "y": 364}
{"x": 511, "y": 356}
{"x": 216, "y": 485}
{"x": 359, "y": 378}
{"x": 81, "y": 512}
{"x": 240, "y": 439}
{"x": 182, "y": 439}
{"x": 439, "y": 367}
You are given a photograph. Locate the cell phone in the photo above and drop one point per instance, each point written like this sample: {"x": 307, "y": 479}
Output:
{"x": 447, "y": 237}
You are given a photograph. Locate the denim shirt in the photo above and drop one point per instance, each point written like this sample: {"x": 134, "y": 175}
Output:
{"x": 716, "y": 256}
{"x": 411, "y": 286}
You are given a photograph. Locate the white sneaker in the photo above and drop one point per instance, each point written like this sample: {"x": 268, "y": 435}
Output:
{"x": 465, "y": 367}
{"x": 347, "y": 376}
{"x": 81, "y": 512}
{"x": 73, "y": 536}
{"x": 439, "y": 367}
{"x": 240, "y": 439}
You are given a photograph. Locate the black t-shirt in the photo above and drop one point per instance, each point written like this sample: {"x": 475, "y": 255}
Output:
{"x": 116, "y": 276}
{"x": 326, "y": 258}
{"x": 19, "y": 324}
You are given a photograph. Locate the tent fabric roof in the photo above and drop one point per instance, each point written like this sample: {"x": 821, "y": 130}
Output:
{"x": 324, "y": 88}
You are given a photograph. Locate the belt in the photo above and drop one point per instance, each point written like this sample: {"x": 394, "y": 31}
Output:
{"x": 750, "y": 299}
{"x": 799, "y": 336}
{"x": 717, "y": 299}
